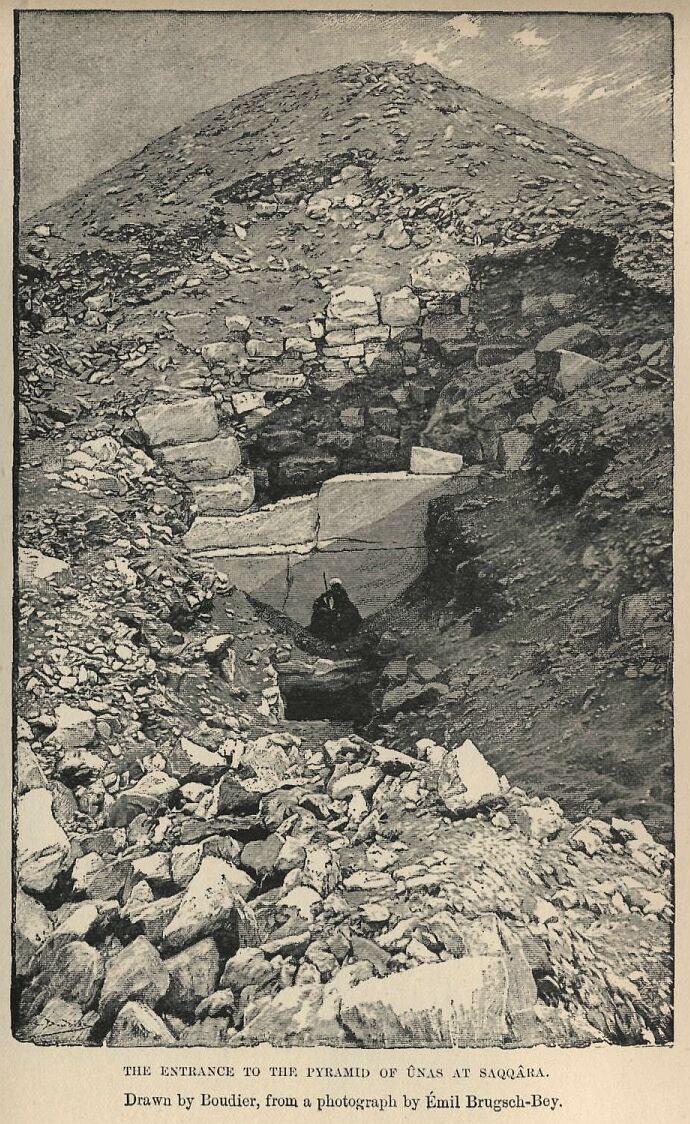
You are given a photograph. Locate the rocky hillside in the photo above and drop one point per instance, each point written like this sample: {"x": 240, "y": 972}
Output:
{"x": 313, "y": 281}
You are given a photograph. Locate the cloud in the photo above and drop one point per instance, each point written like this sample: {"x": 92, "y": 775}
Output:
{"x": 570, "y": 95}
{"x": 529, "y": 37}
{"x": 423, "y": 56}
{"x": 466, "y": 26}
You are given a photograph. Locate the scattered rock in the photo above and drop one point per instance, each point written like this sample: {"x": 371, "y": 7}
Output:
{"x": 43, "y": 849}
{"x": 466, "y": 780}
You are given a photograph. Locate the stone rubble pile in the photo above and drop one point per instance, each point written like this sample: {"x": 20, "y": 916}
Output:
{"x": 242, "y": 891}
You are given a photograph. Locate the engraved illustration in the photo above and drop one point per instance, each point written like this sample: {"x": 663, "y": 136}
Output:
{"x": 343, "y": 624}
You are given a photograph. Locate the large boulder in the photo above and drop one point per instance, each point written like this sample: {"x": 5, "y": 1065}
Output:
{"x": 363, "y": 780}
{"x": 194, "y": 975}
{"x": 453, "y": 1003}
{"x": 43, "y": 849}
{"x": 178, "y": 423}
{"x": 575, "y": 371}
{"x": 60, "y": 1023}
{"x": 29, "y": 772}
{"x": 138, "y": 1025}
{"x": 73, "y": 971}
{"x": 440, "y": 272}
{"x": 537, "y": 822}
{"x": 268, "y": 761}
{"x": 213, "y": 900}
{"x": 303, "y": 1015}
{"x": 75, "y": 728}
{"x": 353, "y": 304}
{"x": 35, "y": 567}
{"x": 466, "y": 780}
{"x": 514, "y": 449}
{"x": 260, "y": 856}
{"x": 203, "y": 460}
{"x": 32, "y": 927}
{"x": 135, "y": 973}
{"x": 190, "y": 762}
{"x": 395, "y": 236}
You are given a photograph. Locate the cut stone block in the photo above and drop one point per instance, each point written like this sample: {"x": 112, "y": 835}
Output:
{"x": 426, "y": 462}
{"x": 244, "y": 401}
{"x": 277, "y": 380}
{"x": 388, "y": 509}
{"x": 379, "y": 332}
{"x": 264, "y": 349}
{"x": 227, "y": 498}
{"x": 224, "y": 352}
{"x": 179, "y": 423}
{"x": 353, "y": 305}
{"x": 203, "y": 460}
{"x": 444, "y": 326}
{"x": 286, "y": 523}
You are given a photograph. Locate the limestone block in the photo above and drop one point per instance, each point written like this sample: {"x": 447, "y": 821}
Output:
{"x": 388, "y": 509}
{"x": 43, "y": 849}
{"x": 244, "y": 401}
{"x": 263, "y": 575}
{"x": 395, "y": 236}
{"x": 203, "y": 460}
{"x": 178, "y": 423}
{"x": 466, "y": 779}
{"x": 223, "y": 352}
{"x": 514, "y": 449}
{"x": 575, "y": 371}
{"x": 353, "y": 304}
{"x": 277, "y": 380}
{"x": 35, "y": 567}
{"x": 230, "y": 497}
{"x": 344, "y": 351}
{"x": 379, "y": 332}
{"x": 426, "y": 462}
{"x": 286, "y": 523}
{"x": 264, "y": 349}
{"x": 580, "y": 337}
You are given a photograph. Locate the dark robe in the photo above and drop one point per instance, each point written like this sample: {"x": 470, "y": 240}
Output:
{"x": 334, "y": 617}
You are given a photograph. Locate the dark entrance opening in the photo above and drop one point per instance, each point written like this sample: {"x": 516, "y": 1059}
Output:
{"x": 306, "y": 702}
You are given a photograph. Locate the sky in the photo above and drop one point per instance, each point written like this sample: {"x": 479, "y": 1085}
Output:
{"x": 95, "y": 87}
